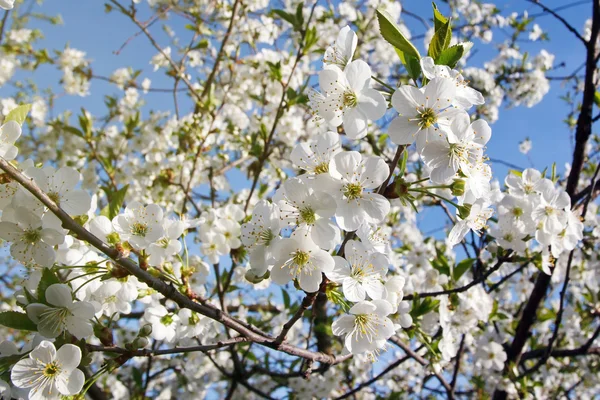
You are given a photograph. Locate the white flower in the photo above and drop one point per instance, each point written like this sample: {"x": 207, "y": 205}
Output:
{"x": 60, "y": 187}
{"x": 465, "y": 96}
{"x": 168, "y": 245}
{"x": 491, "y": 356}
{"x": 360, "y": 273}
{"x": 49, "y": 373}
{"x": 214, "y": 245}
{"x": 260, "y": 234}
{"x": 231, "y": 230}
{"x": 63, "y": 313}
{"x": 355, "y": 175}
{"x": 367, "y": 326}
{"x": 112, "y": 298}
{"x": 422, "y": 111}
{"x": 461, "y": 148}
{"x": 30, "y": 242}
{"x": 509, "y": 236}
{"x": 525, "y": 146}
{"x": 309, "y": 210}
{"x": 9, "y": 133}
{"x": 530, "y": 182}
{"x": 164, "y": 324}
{"x": 341, "y": 52}
{"x": 7, "y": 4}
{"x": 551, "y": 213}
{"x": 349, "y": 99}
{"x": 139, "y": 225}
{"x": 300, "y": 258}
{"x": 475, "y": 221}
{"x": 314, "y": 157}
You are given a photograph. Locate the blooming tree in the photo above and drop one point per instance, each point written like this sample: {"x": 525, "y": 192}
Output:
{"x": 259, "y": 235}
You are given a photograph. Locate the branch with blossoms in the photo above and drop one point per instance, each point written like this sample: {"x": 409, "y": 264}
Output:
{"x": 313, "y": 278}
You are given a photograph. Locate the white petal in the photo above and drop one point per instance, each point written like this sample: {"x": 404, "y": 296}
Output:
{"x": 69, "y": 356}
{"x": 355, "y": 123}
{"x": 372, "y": 104}
{"x": 402, "y": 131}
{"x": 59, "y": 295}
{"x": 406, "y": 99}
{"x": 70, "y": 384}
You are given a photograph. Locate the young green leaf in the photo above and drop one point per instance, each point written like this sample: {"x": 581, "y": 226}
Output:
{"x": 438, "y": 18}
{"x": 440, "y": 40}
{"x": 462, "y": 267}
{"x": 451, "y": 55}
{"x": 392, "y": 34}
{"x": 19, "y": 114}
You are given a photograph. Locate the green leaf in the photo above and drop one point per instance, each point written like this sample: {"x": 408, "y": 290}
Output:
{"x": 286, "y": 298}
{"x": 299, "y": 16}
{"x": 7, "y": 362}
{"x": 462, "y": 267}
{"x": 597, "y": 98}
{"x": 17, "y": 320}
{"x": 440, "y": 40}
{"x": 19, "y": 114}
{"x": 286, "y": 17}
{"x": 48, "y": 278}
{"x": 515, "y": 172}
{"x": 115, "y": 201}
{"x": 438, "y": 18}
{"x": 451, "y": 55}
{"x": 392, "y": 34}
{"x": 412, "y": 65}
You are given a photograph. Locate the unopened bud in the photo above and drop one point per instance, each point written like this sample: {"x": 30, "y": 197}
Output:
{"x": 113, "y": 238}
{"x": 140, "y": 342}
{"x": 458, "y": 187}
{"x": 253, "y": 278}
{"x": 145, "y": 330}
{"x": 464, "y": 211}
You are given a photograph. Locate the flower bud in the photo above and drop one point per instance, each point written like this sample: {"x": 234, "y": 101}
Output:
{"x": 253, "y": 278}
{"x": 458, "y": 187}
{"x": 140, "y": 342}
{"x": 464, "y": 211}
{"x": 145, "y": 330}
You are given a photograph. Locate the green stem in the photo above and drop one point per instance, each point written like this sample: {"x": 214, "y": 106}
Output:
{"x": 437, "y": 196}
{"x": 382, "y": 83}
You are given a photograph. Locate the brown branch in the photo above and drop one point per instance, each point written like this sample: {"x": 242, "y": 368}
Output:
{"x": 582, "y": 134}
{"x": 413, "y": 354}
{"x": 466, "y": 287}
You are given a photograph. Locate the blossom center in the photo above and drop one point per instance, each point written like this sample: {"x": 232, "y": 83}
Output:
{"x": 265, "y": 237}
{"x": 300, "y": 258}
{"x": 517, "y": 212}
{"x": 322, "y": 168}
{"x": 166, "y": 320}
{"x": 139, "y": 229}
{"x": 307, "y": 215}
{"x": 353, "y": 191}
{"x": 54, "y": 197}
{"x": 350, "y": 99}
{"x": 51, "y": 369}
{"x": 427, "y": 117}
{"x": 549, "y": 210}
{"x": 32, "y": 236}
{"x": 366, "y": 325}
